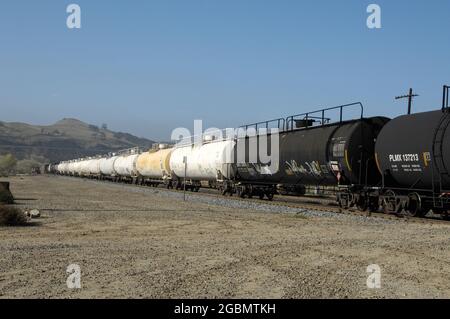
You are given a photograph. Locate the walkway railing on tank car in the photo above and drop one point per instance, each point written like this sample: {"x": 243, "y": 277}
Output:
{"x": 308, "y": 119}
{"x": 209, "y": 136}
{"x": 280, "y": 125}
{"x": 133, "y": 150}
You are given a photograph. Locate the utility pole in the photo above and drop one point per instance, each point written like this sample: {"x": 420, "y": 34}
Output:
{"x": 410, "y": 97}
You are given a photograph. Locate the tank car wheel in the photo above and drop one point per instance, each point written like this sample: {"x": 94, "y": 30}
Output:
{"x": 373, "y": 204}
{"x": 414, "y": 207}
{"x": 362, "y": 203}
{"x": 445, "y": 215}
{"x": 345, "y": 200}
{"x": 388, "y": 206}
{"x": 269, "y": 196}
{"x": 261, "y": 196}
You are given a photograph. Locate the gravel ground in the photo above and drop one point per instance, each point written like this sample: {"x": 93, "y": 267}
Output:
{"x": 148, "y": 243}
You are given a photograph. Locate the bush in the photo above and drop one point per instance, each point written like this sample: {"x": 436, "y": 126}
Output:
{"x": 7, "y": 164}
{"x": 5, "y": 195}
{"x": 26, "y": 166}
{"x": 11, "y": 216}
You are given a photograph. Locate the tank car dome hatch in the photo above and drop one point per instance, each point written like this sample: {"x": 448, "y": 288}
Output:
{"x": 304, "y": 123}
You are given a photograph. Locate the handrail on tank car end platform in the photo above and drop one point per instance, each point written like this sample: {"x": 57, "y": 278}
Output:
{"x": 307, "y": 117}
{"x": 445, "y": 97}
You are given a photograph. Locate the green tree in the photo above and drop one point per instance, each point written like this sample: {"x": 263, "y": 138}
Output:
{"x": 7, "y": 164}
{"x": 26, "y": 166}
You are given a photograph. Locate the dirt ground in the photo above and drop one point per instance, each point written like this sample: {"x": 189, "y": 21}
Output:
{"x": 138, "y": 245}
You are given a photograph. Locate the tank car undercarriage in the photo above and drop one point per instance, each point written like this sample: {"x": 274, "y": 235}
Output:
{"x": 412, "y": 203}
{"x": 248, "y": 190}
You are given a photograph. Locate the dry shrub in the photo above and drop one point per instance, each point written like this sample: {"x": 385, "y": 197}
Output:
{"x": 5, "y": 196}
{"x": 11, "y": 216}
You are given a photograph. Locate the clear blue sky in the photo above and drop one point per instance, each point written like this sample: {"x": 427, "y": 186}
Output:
{"x": 147, "y": 67}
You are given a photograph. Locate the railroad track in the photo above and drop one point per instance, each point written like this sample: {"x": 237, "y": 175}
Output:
{"x": 291, "y": 202}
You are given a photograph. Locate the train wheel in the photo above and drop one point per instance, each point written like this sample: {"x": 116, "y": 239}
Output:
{"x": 261, "y": 196}
{"x": 345, "y": 199}
{"x": 362, "y": 204}
{"x": 269, "y": 196}
{"x": 414, "y": 207}
{"x": 373, "y": 204}
{"x": 389, "y": 200}
{"x": 445, "y": 215}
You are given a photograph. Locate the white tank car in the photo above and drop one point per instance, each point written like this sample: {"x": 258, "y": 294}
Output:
{"x": 205, "y": 162}
{"x": 59, "y": 168}
{"x": 71, "y": 167}
{"x": 63, "y": 168}
{"x": 84, "y": 168}
{"x": 76, "y": 167}
{"x": 93, "y": 166}
{"x": 106, "y": 166}
{"x": 125, "y": 165}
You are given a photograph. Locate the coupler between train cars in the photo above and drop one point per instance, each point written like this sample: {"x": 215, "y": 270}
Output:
{"x": 357, "y": 196}
{"x": 191, "y": 185}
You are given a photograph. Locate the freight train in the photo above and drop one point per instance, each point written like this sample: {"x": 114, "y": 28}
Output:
{"x": 399, "y": 166}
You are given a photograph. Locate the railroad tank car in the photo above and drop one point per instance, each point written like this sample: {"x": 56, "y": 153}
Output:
{"x": 63, "y": 168}
{"x": 205, "y": 161}
{"x": 53, "y": 169}
{"x": 414, "y": 150}
{"x": 83, "y": 169}
{"x": 327, "y": 155}
{"x": 106, "y": 166}
{"x": 413, "y": 155}
{"x": 154, "y": 164}
{"x": 125, "y": 165}
{"x": 70, "y": 167}
{"x": 76, "y": 167}
{"x": 66, "y": 168}
{"x": 93, "y": 167}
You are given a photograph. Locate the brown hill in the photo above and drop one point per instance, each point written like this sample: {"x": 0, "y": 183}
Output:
{"x": 66, "y": 139}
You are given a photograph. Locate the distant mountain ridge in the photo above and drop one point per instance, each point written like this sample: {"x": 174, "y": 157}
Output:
{"x": 66, "y": 139}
